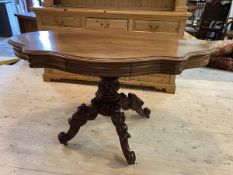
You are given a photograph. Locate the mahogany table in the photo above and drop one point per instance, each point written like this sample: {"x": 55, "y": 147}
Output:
{"x": 109, "y": 55}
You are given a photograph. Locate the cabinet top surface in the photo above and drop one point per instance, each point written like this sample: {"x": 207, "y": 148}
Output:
{"x": 111, "y": 49}
{"x": 111, "y": 11}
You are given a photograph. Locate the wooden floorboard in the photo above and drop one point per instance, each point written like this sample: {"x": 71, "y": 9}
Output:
{"x": 189, "y": 133}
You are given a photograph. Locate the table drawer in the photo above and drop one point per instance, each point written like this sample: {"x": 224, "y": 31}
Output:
{"x": 61, "y": 21}
{"x": 99, "y": 23}
{"x": 156, "y": 26}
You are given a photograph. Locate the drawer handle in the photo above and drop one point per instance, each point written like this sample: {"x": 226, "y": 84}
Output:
{"x": 105, "y": 25}
{"x": 154, "y": 27}
{"x": 59, "y": 23}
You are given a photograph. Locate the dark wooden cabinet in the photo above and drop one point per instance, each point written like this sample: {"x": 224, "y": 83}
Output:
{"x": 27, "y": 22}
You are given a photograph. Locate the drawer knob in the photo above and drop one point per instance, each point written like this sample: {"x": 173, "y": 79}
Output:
{"x": 59, "y": 23}
{"x": 105, "y": 25}
{"x": 154, "y": 27}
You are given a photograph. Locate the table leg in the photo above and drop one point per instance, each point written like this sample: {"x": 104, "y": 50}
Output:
{"x": 118, "y": 119}
{"x": 79, "y": 118}
{"x": 134, "y": 103}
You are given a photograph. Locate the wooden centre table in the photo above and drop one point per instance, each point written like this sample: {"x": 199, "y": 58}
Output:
{"x": 109, "y": 55}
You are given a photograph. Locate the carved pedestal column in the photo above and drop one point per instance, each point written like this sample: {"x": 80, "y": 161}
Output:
{"x": 108, "y": 102}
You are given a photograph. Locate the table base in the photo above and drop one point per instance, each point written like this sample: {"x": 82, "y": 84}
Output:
{"x": 108, "y": 102}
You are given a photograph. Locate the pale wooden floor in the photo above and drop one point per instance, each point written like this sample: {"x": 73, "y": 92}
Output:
{"x": 189, "y": 133}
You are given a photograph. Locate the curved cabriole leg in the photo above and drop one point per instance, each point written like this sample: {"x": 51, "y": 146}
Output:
{"x": 135, "y": 103}
{"x": 118, "y": 119}
{"x": 79, "y": 119}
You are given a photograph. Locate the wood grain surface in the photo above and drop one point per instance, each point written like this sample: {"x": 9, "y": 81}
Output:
{"x": 110, "y": 53}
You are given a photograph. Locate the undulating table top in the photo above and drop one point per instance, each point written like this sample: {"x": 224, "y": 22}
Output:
{"x": 110, "y": 53}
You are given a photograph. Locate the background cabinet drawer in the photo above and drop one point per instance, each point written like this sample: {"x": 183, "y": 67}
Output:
{"x": 156, "y": 26}
{"x": 158, "y": 78}
{"x": 95, "y": 23}
{"x": 61, "y": 21}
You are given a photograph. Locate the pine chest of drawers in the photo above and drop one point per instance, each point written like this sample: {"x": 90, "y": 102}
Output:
{"x": 165, "y": 17}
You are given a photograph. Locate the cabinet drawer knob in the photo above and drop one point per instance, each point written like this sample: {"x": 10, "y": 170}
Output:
{"x": 105, "y": 25}
{"x": 154, "y": 27}
{"x": 59, "y": 23}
